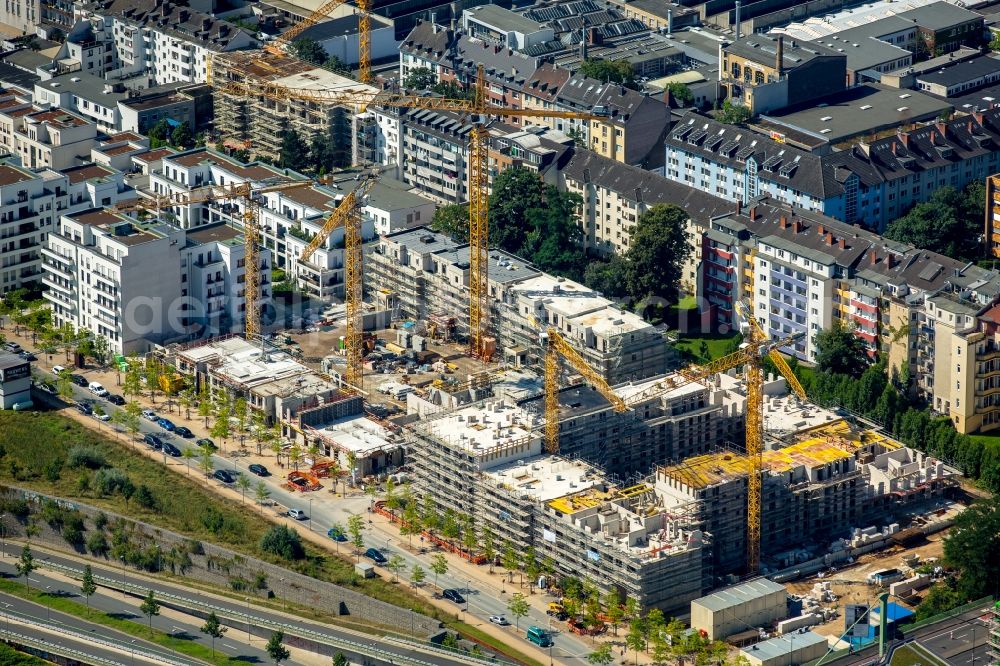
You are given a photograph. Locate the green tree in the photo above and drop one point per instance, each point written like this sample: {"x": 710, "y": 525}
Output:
{"x": 601, "y": 656}
{"x": 243, "y": 483}
{"x": 488, "y": 545}
{"x": 995, "y": 42}
{"x": 213, "y": 628}
{"x": 449, "y": 526}
{"x": 87, "y": 585}
{"x": 452, "y": 220}
{"x": 340, "y": 659}
{"x": 395, "y": 565}
{"x": 221, "y": 429}
{"x": 205, "y": 461}
{"x": 949, "y": 223}
{"x": 159, "y": 133}
{"x": 130, "y": 418}
{"x": 681, "y": 94}
{"x": 309, "y": 50}
{"x": 940, "y": 598}
{"x": 417, "y": 576}
{"x": 411, "y": 520}
{"x": 26, "y": 564}
{"x": 189, "y": 454}
{"x": 429, "y": 517}
{"x": 275, "y": 649}
{"x": 419, "y": 78}
{"x": 973, "y": 547}
{"x": 204, "y": 404}
{"x": 151, "y": 373}
{"x": 294, "y": 153}
{"x": 610, "y": 71}
{"x": 607, "y": 277}
{"x": 839, "y": 351}
{"x": 261, "y": 493}
{"x": 356, "y": 530}
{"x": 636, "y": 637}
{"x": 469, "y": 537}
{"x": 64, "y": 387}
{"x": 657, "y": 249}
{"x": 182, "y": 136}
{"x": 439, "y": 566}
{"x": 511, "y": 561}
{"x": 518, "y": 607}
{"x": 284, "y": 542}
{"x": 150, "y": 607}
{"x": 733, "y": 114}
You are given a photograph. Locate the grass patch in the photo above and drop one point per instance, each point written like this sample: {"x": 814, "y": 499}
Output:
{"x": 75, "y": 608}
{"x": 216, "y": 520}
{"x": 708, "y": 347}
{"x": 498, "y": 645}
{"x": 686, "y": 303}
{"x": 910, "y": 655}
{"x": 11, "y": 657}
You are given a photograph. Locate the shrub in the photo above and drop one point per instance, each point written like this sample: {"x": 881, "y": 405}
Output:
{"x": 283, "y": 542}
{"x": 85, "y": 456}
{"x": 97, "y": 544}
{"x": 144, "y": 497}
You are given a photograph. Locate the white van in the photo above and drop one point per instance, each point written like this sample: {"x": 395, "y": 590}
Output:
{"x": 58, "y": 370}
{"x": 97, "y": 389}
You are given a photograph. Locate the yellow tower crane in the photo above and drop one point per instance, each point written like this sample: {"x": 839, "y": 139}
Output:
{"x": 478, "y": 167}
{"x": 348, "y": 214}
{"x": 249, "y": 192}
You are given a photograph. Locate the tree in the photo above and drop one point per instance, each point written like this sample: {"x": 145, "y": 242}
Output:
{"x": 340, "y": 659}
{"x": 469, "y": 537}
{"x": 613, "y": 609}
{"x": 221, "y": 427}
{"x": 159, "y": 133}
{"x": 518, "y": 607}
{"x": 680, "y": 93}
{"x": 420, "y": 78}
{"x": 240, "y": 414}
{"x": 262, "y": 493}
{"x": 87, "y": 585}
{"x": 395, "y": 565}
{"x": 733, "y": 114}
{"x": 995, "y": 42}
{"x": 130, "y": 420}
{"x": 489, "y": 550}
{"x": 150, "y": 607}
{"x": 26, "y": 565}
{"x": 182, "y": 136}
{"x": 657, "y": 249}
{"x": 151, "y": 373}
{"x": 636, "y": 637}
{"x": 839, "y": 351}
{"x": 294, "y": 153}
{"x": 189, "y": 454}
{"x": 213, "y": 628}
{"x": 511, "y": 562}
{"x": 602, "y": 656}
{"x": 352, "y": 465}
{"x": 411, "y": 520}
{"x": 309, "y": 50}
{"x": 973, "y": 547}
{"x": 284, "y": 542}
{"x": 205, "y": 461}
{"x": 417, "y": 576}
{"x": 64, "y": 387}
{"x": 204, "y": 404}
{"x": 940, "y": 598}
{"x": 356, "y": 530}
{"x": 449, "y": 526}
{"x": 452, "y": 220}
{"x": 275, "y": 649}
{"x": 243, "y": 483}
{"x": 610, "y": 71}
{"x": 439, "y": 566}
{"x": 607, "y": 277}
{"x": 949, "y": 223}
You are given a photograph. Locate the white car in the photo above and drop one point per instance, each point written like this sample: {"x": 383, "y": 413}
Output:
{"x": 58, "y": 370}
{"x": 150, "y": 415}
{"x": 499, "y": 619}
{"x": 102, "y": 417}
{"x": 97, "y": 389}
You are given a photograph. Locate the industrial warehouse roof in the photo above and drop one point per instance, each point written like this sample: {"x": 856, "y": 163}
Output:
{"x": 740, "y": 594}
{"x": 783, "y": 646}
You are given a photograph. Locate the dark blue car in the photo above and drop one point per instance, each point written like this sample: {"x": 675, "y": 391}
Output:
{"x": 167, "y": 425}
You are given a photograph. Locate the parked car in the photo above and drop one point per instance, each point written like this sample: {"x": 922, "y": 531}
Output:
{"x": 48, "y": 388}
{"x": 206, "y": 443}
{"x": 297, "y": 514}
{"x": 499, "y": 620}
{"x": 225, "y": 476}
{"x": 153, "y": 441}
{"x": 336, "y": 535}
{"x": 181, "y": 431}
{"x": 376, "y": 556}
{"x": 171, "y": 450}
{"x": 85, "y": 408}
{"x": 12, "y": 347}
{"x": 453, "y": 595}
{"x": 150, "y": 415}
{"x": 539, "y": 636}
{"x": 116, "y": 399}
{"x": 103, "y": 416}
{"x": 27, "y": 355}
{"x": 166, "y": 424}
{"x": 259, "y": 470}
{"x": 79, "y": 380}
{"x": 97, "y": 389}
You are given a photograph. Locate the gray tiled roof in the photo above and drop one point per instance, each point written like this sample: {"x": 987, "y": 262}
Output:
{"x": 203, "y": 29}
{"x": 763, "y": 49}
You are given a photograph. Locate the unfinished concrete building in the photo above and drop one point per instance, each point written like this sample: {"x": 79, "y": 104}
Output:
{"x": 257, "y": 121}
{"x": 418, "y": 274}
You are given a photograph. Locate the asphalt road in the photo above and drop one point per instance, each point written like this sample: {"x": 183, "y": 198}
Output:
{"x": 959, "y": 645}
{"x": 115, "y": 602}
{"x": 483, "y": 600}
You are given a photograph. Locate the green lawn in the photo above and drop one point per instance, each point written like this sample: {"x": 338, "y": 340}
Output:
{"x": 910, "y": 655}
{"x": 11, "y": 657}
{"x": 716, "y": 345}
{"x": 182, "y": 503}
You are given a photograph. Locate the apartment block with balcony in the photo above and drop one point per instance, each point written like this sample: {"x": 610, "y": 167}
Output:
{"x": 139, "y": 284}
{"x": 28, "y": 206}
{"x": 50, "y": 138}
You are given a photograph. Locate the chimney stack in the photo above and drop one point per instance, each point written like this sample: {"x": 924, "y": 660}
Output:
{"x": 784, "y": 222}
{"x": 872, "y": 257}
{"x": 739, "y": 31}
{"x": 779, "y": 58}
{"x": 796, "y": 226}
{"x": 739, "y": 206}
{"x": 829, "y": 238}
{"x": 753, "y": 213}
{"x": 434, "y": 25}
{"x": 943, "y": 128}
{"x": 670, "y": 21}
{"x": 904, "y": 138}
{"x": 889, "y": 260}
{"x": 842, "y": 243}
{"x": 821, "y": 230}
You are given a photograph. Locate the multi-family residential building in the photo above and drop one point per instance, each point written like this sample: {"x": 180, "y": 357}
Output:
{"x": 419, "y": 274}
{"x": 535, "y": 148}
{"x": 28, "y": 205}
{"x": 155, "y": 39}
{"x": 766, "y": 72}
{"x": 260, "y": 120}
{"x": 138, "y": 284}
{"x": 54, "y": 138}
{"x": 22, "y": 15}
{"x": 871, "y": 182}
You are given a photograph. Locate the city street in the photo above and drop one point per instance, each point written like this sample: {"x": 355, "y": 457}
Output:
{"x": 486, "y": 595}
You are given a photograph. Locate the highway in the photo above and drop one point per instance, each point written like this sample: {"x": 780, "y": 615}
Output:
{"x": 261, "y": 620}
{"x": 484, "y": 599}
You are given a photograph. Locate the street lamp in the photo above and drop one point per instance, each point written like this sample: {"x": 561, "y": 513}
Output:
{"x": 123, "y": 577}
{"x": 48, "y": 610}
{"x": 248, "y": 619}
{"x": 133, "y": 653}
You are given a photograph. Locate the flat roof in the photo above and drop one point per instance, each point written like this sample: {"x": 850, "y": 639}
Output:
{"x": 216, "y": 233}
{"x": 479, "y": 428}
{"x": 940, "y": 15}
{"x": 422, "y": 239}
{"x": 86, "y": 172}
{"x": 861, "y": 110}
{"x": 504, "y": 19}
{"x": 783, "y": 646}
{"x": 11, "y": 361}
{"x": 10, "y": 175}
{"x": 86, "y": 86}
{"x": 739, "y": 594}
{"x": 763, "y": 49}
{"x": 962, "y": 71}
{"x": 546, "y": 478}
{"x": 358, "y": 434}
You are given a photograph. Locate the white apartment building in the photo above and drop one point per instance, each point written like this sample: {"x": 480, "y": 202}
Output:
{"x": 140, "y": 284}
{"x": 155, "y": 39}
{"x": 28, "y": 204}
{"x": 52, "y": 138}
